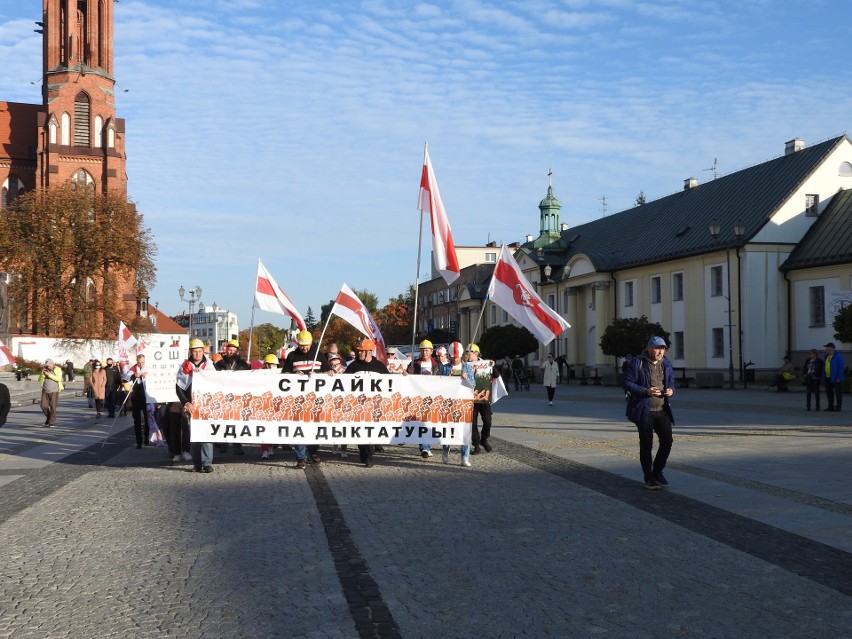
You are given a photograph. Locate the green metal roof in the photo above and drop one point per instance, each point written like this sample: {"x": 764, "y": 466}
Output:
{"x": 829, "y": 240}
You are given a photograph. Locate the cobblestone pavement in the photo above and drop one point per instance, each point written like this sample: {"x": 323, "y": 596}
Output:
{"x": 550, "y": 535}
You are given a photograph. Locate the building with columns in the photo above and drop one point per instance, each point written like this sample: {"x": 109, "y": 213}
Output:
{"x": 741, "y": 270}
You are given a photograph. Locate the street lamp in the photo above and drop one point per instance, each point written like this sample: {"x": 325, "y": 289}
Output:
{"x": 739, "y": 230}
{"x": 194, "y": 296}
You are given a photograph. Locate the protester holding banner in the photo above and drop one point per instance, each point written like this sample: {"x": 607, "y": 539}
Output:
{"x": 231, "y": 361}
{"x": 483, "y": 373}
{"x": 457, "y": 368}
{"x": 366, "y": 363}
{"x": 270, "y": 365}
{"x": 303, "y": 361}
{"x": 202, "y": 453}
{"x": 424, "y": 365}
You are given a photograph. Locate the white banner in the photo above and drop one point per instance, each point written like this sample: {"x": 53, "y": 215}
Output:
{"x": 252, "y": 407}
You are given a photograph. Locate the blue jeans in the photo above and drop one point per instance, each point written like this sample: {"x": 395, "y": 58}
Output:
{"x": 202, "y": 454}
{"x": 465, "y": 451}
{"x": 302, "y": 451}
{"x": 425, "y": 447}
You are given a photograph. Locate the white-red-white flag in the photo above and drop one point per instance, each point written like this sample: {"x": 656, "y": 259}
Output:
{"x": 5, "y": 355}
{"x": 125, "y": 337}
{"x": 511, "y": 291}
{"x": 269, "y": 297}
{"x": 348, "y": 307}
{"x": 443, "y": 249}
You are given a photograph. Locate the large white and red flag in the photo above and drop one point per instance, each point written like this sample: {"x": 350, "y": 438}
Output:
{"x": 5, "y": 355}
{"x": 348, "y": 307}
{"x": 269, "y": 297}
{"x": 443, "y": 249}
{"x": 125, "y": 337}
{"x": 512, "y": 292}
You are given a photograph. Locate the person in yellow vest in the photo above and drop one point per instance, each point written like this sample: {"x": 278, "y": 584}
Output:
{"x": 51, "y": 379}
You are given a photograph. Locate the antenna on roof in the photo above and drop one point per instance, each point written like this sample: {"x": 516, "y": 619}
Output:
{"x": 603, "y": 206}
{"x": 712, "y": 168}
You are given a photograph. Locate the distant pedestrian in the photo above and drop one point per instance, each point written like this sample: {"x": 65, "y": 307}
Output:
{"x": 139, "y": 398}
{"x": 51, "y": 378}
{"x": 87, "y": 381}
{"x": 113, "y": 383}
{"x": 834, "y": 376}
{"x": 550, "y": 377}
{"x": 563, "y": 369}
{"x": 97, "y": 381}
{"x": 649, "y": 382}
{"x": 812, "y": 372}
{"x": 424, "y": 365}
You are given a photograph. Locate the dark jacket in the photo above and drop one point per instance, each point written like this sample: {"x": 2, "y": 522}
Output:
{"x": 5, "y": 403}
{"x": 113, "y": 377}
{"x": 232, "y": 363}
{"x": 813, "y": 370}
{"x": 637, "y": 379}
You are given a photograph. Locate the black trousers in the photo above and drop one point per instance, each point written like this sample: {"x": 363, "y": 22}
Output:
{"x": 812, "y": 389}
{"x": 482, "y": 410}
{"x": 657, "y": 422}
{"x": 140, "y": 417}
{"x": 551, "y": 391}
{"x": 834, "y": 395}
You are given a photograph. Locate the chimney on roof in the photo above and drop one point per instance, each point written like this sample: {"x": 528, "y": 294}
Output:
{"x": 690, "y": 183}
{"x": 529, "y": 238}
{"x": 794, "y": 145}
{"x": 563, "y": 226}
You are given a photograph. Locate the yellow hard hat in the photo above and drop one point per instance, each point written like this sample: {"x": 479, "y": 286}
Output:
{"x": 426, "y": 344}
{"x": 195, "y": 343}
{"x": 304, "y": 338}
{"x": 270, "y": 359}
{"x": 233, "y": 342}
{"x": 473, "y": 347}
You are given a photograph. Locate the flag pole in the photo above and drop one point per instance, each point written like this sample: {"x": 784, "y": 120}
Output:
{"x": 251, "y": 325}
{"x": 419, "y": 247}
{"x": 319, "y": 343}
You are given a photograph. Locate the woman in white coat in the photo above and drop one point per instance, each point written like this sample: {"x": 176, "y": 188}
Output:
{"x": 550, "y": 375}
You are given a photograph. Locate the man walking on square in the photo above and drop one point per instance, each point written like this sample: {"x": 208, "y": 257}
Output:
{"x": 649, "y": 381}
{"x": 51, "y": 378}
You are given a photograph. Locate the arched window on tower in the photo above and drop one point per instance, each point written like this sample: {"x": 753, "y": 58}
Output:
{"x": 52, "y": 129}
{"x": 82, "y": 179}
{"x": 12, "y": 188}
{"x": 845, "y": 169}
{"x": 82, "y": 120}
{"x": 65, "y": 129}
{"x": 98, "y": 142}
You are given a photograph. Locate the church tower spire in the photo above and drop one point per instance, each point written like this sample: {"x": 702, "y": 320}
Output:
{"x": 80, "y": 137}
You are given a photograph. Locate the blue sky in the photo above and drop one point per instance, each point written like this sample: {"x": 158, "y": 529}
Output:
{"x": 293, "y": 131}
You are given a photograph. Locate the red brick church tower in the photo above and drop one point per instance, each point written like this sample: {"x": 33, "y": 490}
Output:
{"x": 74, "y": 134}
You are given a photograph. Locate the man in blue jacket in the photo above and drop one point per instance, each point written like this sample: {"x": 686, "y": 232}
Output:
{"x": 649, "y": 382}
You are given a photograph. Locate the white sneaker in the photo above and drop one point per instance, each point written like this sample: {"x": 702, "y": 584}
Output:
{"x": 264, "y": 454}
{"x": 187, "y": 457}
{"x": 466, "y": 463}
{"x": 425, "y": 454}
{"x": 446, "y": 456}
{"x": 551, "y": 403}
{"x": 176, "y": 459}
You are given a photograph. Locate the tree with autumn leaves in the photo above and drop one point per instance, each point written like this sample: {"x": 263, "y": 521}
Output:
{"x": 72, "y": 254}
